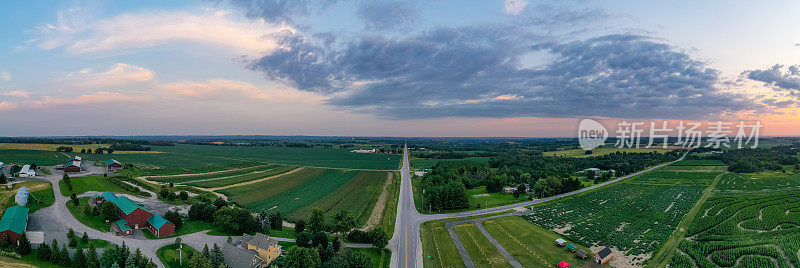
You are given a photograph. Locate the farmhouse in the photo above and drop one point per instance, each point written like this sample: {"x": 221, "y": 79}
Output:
{"x": 27, "y": 172}
{"x": 134, "y": 217}
{"x": 14, "y": 223}
{"x": 266, "y": 247}
{"x": 236, "y": 257}
{"x": 112, "y": 164}
{"x": 561, "y": 242}
{"x": 603, "y": 256}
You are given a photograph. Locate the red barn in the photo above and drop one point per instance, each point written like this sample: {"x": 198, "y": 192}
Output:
{"x": 160, "y": 226}
{"x": 14, "y": 223}
{"x": 72, "y": 166}
{"x": 132, "y": 213}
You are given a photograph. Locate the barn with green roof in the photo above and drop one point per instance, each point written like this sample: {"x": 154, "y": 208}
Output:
{"x": 135, "y": 217}
{"x": 14, "y": 223}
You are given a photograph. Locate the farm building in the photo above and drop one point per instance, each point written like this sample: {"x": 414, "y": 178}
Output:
{"x": 509, "y": 190}
{"x": 72, "y": 166}
{"x": 112, "y": 164}
{"x": 14, "y": 223}
{"x": 563, "y": 264}
{"x": 581, "y": 254}
{"x": 571, "y": 247}
{"x": 160, "y": 226}
{"x": 236, "y": 257}
{"x": 561, "y": 242}
{"x": 603, "y": 256}
{"x": 135, "y": 217}
{"x": 363, "y": 151}
{"x": 266, "y": 247}
{"x": 27, "y": 172}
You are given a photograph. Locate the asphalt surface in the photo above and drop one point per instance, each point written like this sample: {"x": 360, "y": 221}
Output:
{"x": 406, "y": 245}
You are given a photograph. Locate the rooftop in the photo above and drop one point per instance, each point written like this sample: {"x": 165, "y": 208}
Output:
{"x": 604, "y": 253}
{"x": 15, "y": 219}
{"x": 157, "y": 221}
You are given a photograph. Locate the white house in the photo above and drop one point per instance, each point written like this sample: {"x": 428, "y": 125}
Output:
{"x": 362, "y": 151}
{"x": 27, "y": 172}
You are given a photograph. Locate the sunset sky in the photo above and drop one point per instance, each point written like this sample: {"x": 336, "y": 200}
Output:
{"x": 392, "y": 68}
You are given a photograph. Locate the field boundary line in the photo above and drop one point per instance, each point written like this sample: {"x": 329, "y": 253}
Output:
{"x": 377, "y": 211}
{"x": 250, "y": 182}
{"x": 199, "y": 174}
{"x": 664, "y": 255}
{"x": 225, "y": 177}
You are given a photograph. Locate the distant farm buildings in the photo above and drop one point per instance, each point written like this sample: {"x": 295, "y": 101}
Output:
{"x": 73, "y": 165}
{"x": 364, "y": 151}
{"x": 27, "y": 172}
{"x": 134, "y": 217}
{"x": 112, "y": 164}
{"x": 14, "y": 223}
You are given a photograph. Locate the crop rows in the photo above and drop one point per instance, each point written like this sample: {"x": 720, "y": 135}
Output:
{"x": 358, "y": 196}
{"x": 272, "y": 171}
{"x": 636, "y": 218}
{"x": 767, "y": 181}
{"x": 213, "y": 175}
{"x": 753, "y": 230}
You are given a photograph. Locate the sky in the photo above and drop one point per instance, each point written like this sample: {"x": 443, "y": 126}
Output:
{"x": 518, "y": 68}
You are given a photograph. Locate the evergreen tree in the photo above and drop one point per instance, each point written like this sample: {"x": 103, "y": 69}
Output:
{"x": 43, "y": 252}
{"x": 79, "y": 259}
{"x": 24, "y": 247}
{"x": 5, "y": 242}
{"x": 205, "y": 251}
{"x": 63, "y": 257}
{"x": 85, "y": 238}
{"x": 91, "y": 257}
{"x": 216, "y": 256}
{"x": 130, "y": 262}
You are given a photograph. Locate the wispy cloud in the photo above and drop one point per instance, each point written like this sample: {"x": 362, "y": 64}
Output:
{"x": 226, "y": 89}
{"x": 5, "y": 76}
{"x": 515, "y": 7}
{"x": 131, "y": 31}
{"x": 119, "y": 74}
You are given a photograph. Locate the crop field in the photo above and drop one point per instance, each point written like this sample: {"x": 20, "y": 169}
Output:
{"x": 697, "y": 162}
{"x": 218, "y": 182}
{"x": 680, "y": 168}
{"x": 744, "y": 230}
{"x": 297, "y": 193}
{"x": 531, "y": 245}
{"x": 423, "y": 163}
{"x": 480, "y": 250}
{"x": 182, "y": 178}
{"x": 604, "y": 151}
{"x": 314, "y": 157}
{"x": 438, "y": 249}
{"x": 669, "y": 176}
{"x": 765, "y": 181}
{"x": 41, "y": 158}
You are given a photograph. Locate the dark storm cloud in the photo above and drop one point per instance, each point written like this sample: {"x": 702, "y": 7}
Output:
{"x": 777, "y": 76}
{"x": 386, "y": 15}
{"x": 476, "y": 72}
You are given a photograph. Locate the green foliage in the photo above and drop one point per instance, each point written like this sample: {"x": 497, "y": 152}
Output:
{"x": 174, "y": 217}
{"x": 108, "y": 211}
{"x": 235, "y": 220}
{"x": 301, "y": 257}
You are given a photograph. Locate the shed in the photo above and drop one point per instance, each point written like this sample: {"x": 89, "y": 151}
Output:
{"x": 603, "y": 256}
{"x": 563, "y": 264}
{"x": 27, "y": 172}
{"x": 160, "y": 226}
{"x": 581, "y": 254}
{"x": 561, "y": 242}
{"x": 121, "y": 227}
{"x": 72, "y": 166}
{"x": 112, "y": 164}
{"x": 571, "y": 247}
{"x": 14, "y": 223}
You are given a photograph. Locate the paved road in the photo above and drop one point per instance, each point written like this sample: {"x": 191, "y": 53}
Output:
{"x": 406, "y": 245}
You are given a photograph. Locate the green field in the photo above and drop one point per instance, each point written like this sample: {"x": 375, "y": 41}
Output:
{"x": 764, "y": 181}
{"x": 224, "y": 181}
{"x": 751, "y": 230}
{"x": 423, "y": 163}
{"x": 531, "y": 245}
{"x": 171, "y": 258}
{"x": 478, "y": 197}
{"x": 328, "y": 189}
{"x": 698, "y": 162}
{"x": 232, "y": 172}
{"x": 91, "y": 183}
{"x": 40, "y": 158}
{"x": 636, "y": 216}
{"x": 480, "y": 250}
{"x": 438, "y": 249}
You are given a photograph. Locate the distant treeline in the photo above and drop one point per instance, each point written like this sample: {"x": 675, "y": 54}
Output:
{"x": 83, "y": 141}
{"x": 749, "y": 160}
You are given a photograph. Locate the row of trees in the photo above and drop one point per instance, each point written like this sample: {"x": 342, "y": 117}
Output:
{"x": 114, "y": 256}
{"x": 750, "y": 160}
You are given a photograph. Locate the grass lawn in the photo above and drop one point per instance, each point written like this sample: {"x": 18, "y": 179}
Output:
{"x": 438, "y": 249}
{"x": 285, "y": 233}
{"x": 90, "y": 183}
{"x": 42, "y": 191}
{"x": 30, "y": 259}
{"x": 478, "y": 198}
{"x": 480, "y": 250}
{"x": 171, "y": 257}
{"x": 380, "y": 258}
{"x": 390, "y": 210}
{"x": 188, "y": 227}
{"x": 93, "y": 221}
{"x": 530, "y": 244}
